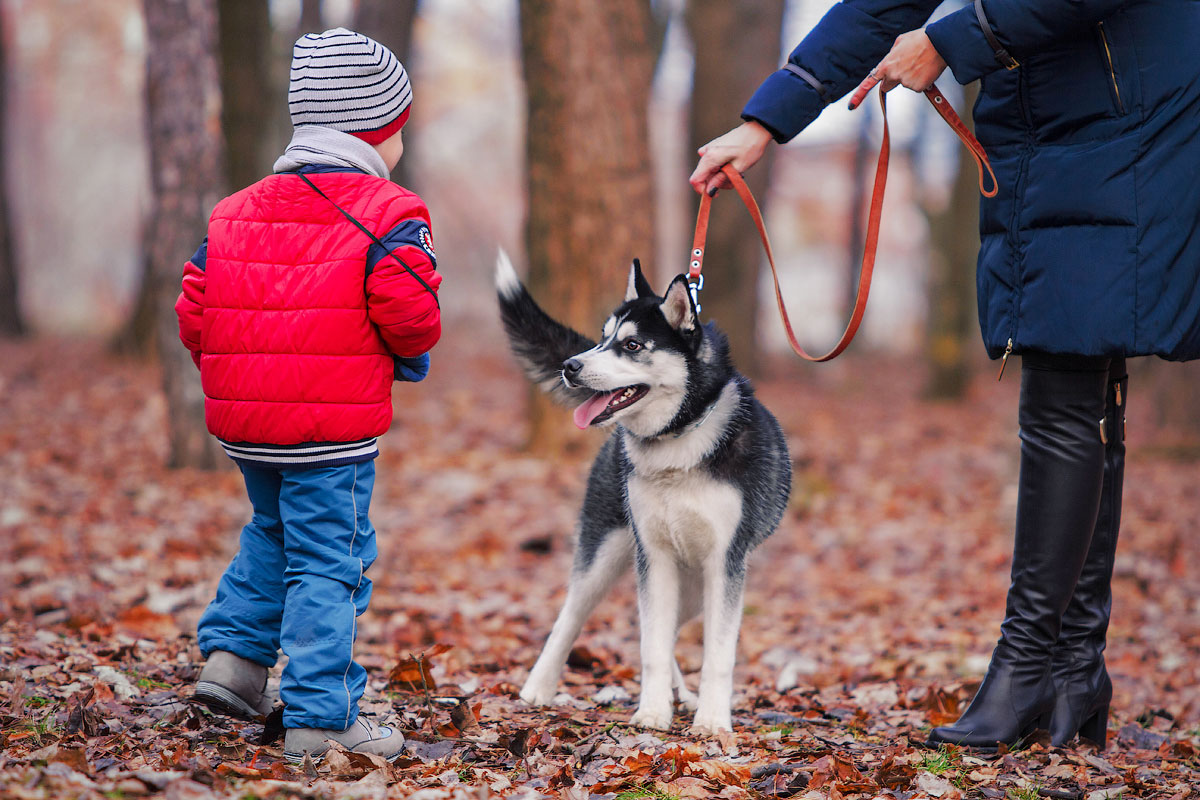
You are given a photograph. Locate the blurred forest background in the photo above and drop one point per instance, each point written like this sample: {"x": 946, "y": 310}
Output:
{"x": 562, "y": 130}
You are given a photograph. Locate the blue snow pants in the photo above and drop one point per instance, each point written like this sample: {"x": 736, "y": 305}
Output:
{"x": 298, "y": 583}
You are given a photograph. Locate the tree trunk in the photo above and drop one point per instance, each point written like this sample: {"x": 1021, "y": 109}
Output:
{"x": 390, "y": 22}
{"x": 311, "y": 20}
{"x": 1172, "y": 390}
{"x": 859, "y": 211}
{"x": 588, "y": 68}
{"x": 11, "y": 322}
{"x": 244, "y": 36}
{"x": 952, "y": 328}
{"x": 736, "y": 46}
{"x": 182, "y": 108}
{"x": 136, "y": 337}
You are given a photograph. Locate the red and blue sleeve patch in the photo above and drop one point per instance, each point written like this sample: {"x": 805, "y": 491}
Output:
{"x": 410, "y": 233}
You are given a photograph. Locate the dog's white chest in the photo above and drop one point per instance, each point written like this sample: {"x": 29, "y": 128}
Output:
{"x": 685, "y": 513}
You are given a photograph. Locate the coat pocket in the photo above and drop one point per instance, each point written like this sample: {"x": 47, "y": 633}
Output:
{"x": 1112, "y": 72}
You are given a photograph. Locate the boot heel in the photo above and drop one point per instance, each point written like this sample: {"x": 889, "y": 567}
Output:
{"x": 1095, "y": 728}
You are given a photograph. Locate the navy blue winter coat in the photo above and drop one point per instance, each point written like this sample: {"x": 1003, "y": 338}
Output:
{"x": 1092, "y": 244}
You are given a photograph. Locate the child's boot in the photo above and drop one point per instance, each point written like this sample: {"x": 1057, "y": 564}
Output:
{"x": 233, "y": 685}
{"x": 364, "y": 736}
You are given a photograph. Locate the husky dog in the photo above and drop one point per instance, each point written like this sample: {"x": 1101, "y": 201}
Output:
{"x": 694, "y": 476}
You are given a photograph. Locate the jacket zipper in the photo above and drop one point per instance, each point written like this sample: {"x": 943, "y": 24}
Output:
{"x": 1004, "y": 359}
{"x": 1022, "y": 174}
{"x": 1112, "y": 72}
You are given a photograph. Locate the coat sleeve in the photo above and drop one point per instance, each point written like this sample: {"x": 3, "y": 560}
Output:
{"x": 1020, "y": 26}
{"x": 405, "y": 311}
{"x": 832, "y": 60}
{"x": 190, "y": 305}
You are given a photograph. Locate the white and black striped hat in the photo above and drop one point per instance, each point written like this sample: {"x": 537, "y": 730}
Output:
{"x": 351, "y": 83}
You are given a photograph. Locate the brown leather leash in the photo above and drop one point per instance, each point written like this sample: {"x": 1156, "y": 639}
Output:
{"x": 696, "y": 281}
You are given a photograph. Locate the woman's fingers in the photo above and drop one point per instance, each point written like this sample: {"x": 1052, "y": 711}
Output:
{"x": 741, "y": 147}
{"x": 860, "y": 93}
{"x": 881, "y": 76}
{"x": 717, "y": 183}
{"x": 707, "y": 169}
{"x": 913, "y": 62}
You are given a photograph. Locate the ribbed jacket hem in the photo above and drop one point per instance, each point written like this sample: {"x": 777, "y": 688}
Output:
{"x": 308, "y": 454}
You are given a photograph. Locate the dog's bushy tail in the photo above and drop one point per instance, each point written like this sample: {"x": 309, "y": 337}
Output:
{"x": 541, "y": 344}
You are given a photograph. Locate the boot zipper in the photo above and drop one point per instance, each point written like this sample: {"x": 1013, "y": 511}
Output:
{"x": 1004, "y": 359}
{"x": 1112, "y": 72}
{"x": 1119, "y": 401}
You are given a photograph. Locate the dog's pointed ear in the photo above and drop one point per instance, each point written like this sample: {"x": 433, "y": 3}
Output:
{"x": 678, "y": 308}
{"x": 638, "y": 286}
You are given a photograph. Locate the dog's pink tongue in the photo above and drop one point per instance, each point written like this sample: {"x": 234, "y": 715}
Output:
{"x": 591, "y": 408}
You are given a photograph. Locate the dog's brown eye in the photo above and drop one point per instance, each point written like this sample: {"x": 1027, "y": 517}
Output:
{"x": 633, "y": 345}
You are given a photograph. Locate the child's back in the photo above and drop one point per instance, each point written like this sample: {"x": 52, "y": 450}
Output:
{"x": 314, "y": 290}
{"x": 295, "y": 352}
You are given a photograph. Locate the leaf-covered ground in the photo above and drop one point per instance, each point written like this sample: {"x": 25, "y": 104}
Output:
{"x": 870, "y": 614}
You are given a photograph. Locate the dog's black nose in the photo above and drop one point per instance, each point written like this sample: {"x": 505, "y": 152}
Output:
{"x": 571, "y": 367}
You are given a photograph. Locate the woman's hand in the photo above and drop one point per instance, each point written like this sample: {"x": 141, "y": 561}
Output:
{"x": 741, "y": 147}
{"x": 913, "y": 63}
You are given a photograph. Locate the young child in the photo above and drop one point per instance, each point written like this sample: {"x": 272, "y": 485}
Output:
{"x": 314, "y": 289}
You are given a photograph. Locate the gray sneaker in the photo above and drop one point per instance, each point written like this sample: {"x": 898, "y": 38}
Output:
{"x": 233, "y": 685}
{"x": 364, "y": 736}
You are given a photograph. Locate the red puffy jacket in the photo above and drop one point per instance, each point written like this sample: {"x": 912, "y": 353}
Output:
{"x": 294, "y": 315}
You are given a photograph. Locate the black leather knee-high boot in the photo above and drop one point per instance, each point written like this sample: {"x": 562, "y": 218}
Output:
{"x": 1081, "y": 681}
{"x": 1062, "y": 468}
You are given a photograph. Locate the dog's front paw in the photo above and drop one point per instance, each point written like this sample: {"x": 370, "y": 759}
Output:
{"x": 656, "y": 719}
{"x": 538, "y": 694}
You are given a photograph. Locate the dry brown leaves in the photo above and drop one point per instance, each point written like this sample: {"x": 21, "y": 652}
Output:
{"x": 869, "y": 615}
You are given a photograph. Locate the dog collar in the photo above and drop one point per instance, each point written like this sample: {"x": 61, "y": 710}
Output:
{"x": 691, "y": 426}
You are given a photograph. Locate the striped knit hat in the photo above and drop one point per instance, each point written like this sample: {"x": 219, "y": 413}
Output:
{"x": 343, "y": 80}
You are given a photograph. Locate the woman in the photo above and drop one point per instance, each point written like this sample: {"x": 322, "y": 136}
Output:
{"x": 1090, "y": 113}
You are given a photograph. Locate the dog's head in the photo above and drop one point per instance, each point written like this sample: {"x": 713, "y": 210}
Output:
{"x": 641, "y": 371}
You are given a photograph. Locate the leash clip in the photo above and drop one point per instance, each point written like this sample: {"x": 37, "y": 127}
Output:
{"x": 694, "y": 287}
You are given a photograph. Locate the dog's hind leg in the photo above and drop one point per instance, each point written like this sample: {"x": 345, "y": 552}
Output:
{"x": 683, "y": 695}
{"x": 690, "y": 599}
{"x": 591, "y": 578}
{"x": 724, "y": 591}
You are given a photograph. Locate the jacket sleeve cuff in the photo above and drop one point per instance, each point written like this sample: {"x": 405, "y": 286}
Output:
{"x": 784, "y": 104}
{"x": 962, "y": 45}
